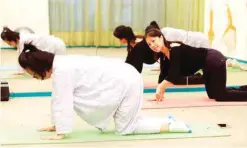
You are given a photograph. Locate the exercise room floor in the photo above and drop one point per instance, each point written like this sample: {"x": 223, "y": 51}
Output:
{"x": 36, "y": 111}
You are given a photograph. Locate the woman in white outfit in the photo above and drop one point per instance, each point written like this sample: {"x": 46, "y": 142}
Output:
{"x": 98, "y": 89}
{"x": 191, "y": 38}
{"x": 196, "y": 39}
{"x": 44, "y": 42}
{"x": 24, "y": 30}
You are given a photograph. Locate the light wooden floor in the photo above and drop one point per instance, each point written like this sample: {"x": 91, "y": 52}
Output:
{"x": 35, "y": 112}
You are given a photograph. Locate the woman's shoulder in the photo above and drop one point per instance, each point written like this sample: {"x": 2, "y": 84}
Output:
{"x": 141, "y": 45}
{"x": 176, "y": 46}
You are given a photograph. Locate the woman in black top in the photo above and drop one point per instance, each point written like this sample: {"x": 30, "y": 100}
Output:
{"x": 185, "y": 59}
{"x": 139, "y": 53}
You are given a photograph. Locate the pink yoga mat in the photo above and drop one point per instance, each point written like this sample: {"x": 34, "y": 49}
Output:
{"x": 154, "y": 85}
{"x": 187, "y": 102}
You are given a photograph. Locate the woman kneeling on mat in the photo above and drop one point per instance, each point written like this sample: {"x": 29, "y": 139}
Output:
{"x": 98, "y": 91}
{"x": 47, "y": 43}
{"x": 185, "y": 59}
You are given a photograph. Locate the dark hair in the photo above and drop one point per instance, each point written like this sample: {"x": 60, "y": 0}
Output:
{"x": 152, "y": 24}
{"x": 127, "y": 33}
{"x": 153, "y": 32}
{"x": 36, "y": 60}
{"x": 9, "y": 35}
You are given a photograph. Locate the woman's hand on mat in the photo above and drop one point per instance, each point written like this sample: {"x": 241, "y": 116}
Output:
{"x": 155, "y": 69}
{"x": 160, "y": 90}
{"x": 53, "y": 137}
{"x": 159, "y": 93}
{"x": 48, "y": 129}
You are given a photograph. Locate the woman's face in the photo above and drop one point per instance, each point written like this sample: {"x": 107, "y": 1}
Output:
{"x": 123, "y": 41}
{"x": 37, "y": 76}
{"x": 11, "y": 43}
{"x": 155, "y": 43}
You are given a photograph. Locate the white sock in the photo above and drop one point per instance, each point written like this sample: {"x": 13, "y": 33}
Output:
{"x": 235, "y": 64}
{"x": 178, "y": 127}
{"x": 152, "y": 125}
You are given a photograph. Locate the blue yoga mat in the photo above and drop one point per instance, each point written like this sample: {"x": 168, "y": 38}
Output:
{"x": 146, "y": 90}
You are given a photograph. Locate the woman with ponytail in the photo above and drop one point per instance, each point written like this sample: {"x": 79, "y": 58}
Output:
{"x": 192, "y": 77}
{"x": 185, "y": 59}
{"x": 140, "y": 53}
{"x": 36, "y": 62}
{"x": 87, "y": 86}
{"x": 137, "y": 48}
{"x": 191, "y": 38}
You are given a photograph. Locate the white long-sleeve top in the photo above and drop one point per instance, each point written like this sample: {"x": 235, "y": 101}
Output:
{"x": 194, "y": 39}
{"x": 93, "y": 86}
{"x": 47, "y": 43}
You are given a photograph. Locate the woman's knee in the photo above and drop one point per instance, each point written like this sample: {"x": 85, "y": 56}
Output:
{"x": 220, "y": 97}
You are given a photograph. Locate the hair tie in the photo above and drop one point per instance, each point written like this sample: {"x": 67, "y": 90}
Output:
{"x": 27, "y": 50}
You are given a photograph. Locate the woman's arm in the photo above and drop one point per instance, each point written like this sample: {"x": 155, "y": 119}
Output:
{"x": 62, "y": 103}
{"x": 173, "y": 73}
{"x": 134, "y": 58}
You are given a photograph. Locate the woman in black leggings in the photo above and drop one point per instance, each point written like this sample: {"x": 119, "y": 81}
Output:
{"x": 184, "y": 59}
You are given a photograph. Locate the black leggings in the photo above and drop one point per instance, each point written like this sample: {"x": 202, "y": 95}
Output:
{"x": 214, "y": 74}
{"x": 189, "y": 80}
{"x": 242, "y": 88}
{"x": 195, "y": 79}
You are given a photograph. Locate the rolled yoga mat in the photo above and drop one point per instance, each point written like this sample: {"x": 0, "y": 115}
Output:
{"x": 26, "y": 135}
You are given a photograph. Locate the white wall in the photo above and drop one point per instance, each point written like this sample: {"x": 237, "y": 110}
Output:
{"x": 31, "y": 13}
{"x": 220, "y": 22}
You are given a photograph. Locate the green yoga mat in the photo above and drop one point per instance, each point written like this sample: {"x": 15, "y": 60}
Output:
{"x": 12, "y": 76}
{"x": 28, "y": 136}
{"x": 232, "y": 69}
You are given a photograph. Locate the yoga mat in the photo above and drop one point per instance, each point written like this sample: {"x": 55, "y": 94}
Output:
{"x": 154, "y": 85}
{"x": 28, "y": 135}
{"x": 151, "y": 88}
{"x": 232, "y": 69}
{"x": 150, "y": 67}
{"x": 155, "y": 71}
{"x": 187, "y": 102}
{"x": 14, "y": 76}
{"x": 8, "y": 68}
{"x": 146, "y": 90}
